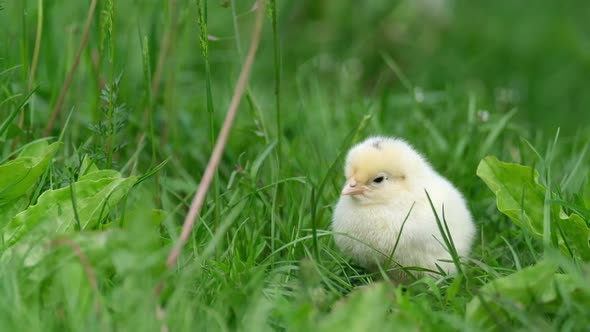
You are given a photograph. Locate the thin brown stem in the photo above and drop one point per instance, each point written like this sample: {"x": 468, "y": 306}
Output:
{"x": 83, "y": 259}
{"x": 160, "y": 314}
{"x": 70, "y": 76}
{"x": 199, "y": 198}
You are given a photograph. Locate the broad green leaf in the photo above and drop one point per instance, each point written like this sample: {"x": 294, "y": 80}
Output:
{"x": 520, "y": 196}
{"x": 504, "y": 298}
{"x": 49, "y": 250}
{"x": 577, "y": 234}
{"x": 366, "y": 309}
{"x": 54, "y": 212}
{"x": 518, "y": 193}
{"x": 110, "y": 249}
{"x": 36, "y": 149}
{"x": 18, "y": 176}
{"x": 517, "y": 289}
{"x": 11, "y": 209}
{"x": 99, "y": 175}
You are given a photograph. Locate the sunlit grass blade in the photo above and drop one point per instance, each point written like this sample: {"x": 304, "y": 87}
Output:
{"x": 445, "y": 234}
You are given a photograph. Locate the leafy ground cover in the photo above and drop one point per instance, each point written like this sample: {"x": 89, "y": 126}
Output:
{"x": 96, "y": 181}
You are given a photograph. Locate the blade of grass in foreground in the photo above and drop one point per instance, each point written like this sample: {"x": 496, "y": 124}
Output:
{"x": 14, "y": 113}
{"x": 316, "y": 194}
{"x": 204, "y": 43}
{"x": 446, "y": 234}
{"x": 277, "y": 73}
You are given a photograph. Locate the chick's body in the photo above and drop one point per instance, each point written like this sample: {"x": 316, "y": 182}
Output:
{"x": 386, "y": 184}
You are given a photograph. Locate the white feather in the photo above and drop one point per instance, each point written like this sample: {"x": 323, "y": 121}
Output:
{"x": 367, "y": 226}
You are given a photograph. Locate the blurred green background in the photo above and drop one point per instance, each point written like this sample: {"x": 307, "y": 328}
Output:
{"x": 532, "y": 55}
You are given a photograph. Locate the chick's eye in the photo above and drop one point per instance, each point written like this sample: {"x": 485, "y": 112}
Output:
{"x": 379, "y": 179}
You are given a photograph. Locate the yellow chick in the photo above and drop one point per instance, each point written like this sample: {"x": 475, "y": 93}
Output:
{"x": 386, "y": 181}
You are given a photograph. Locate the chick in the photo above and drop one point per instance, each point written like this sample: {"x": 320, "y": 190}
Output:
{"x": 386, "y": 181}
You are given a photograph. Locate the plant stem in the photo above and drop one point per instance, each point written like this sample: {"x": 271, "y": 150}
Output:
{"x": 199, "y": 198}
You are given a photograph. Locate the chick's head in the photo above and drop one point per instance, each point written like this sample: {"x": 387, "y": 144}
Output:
{"x": 380, "y": 169}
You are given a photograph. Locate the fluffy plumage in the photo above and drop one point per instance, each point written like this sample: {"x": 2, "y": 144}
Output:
{"x": 385, "y": 177}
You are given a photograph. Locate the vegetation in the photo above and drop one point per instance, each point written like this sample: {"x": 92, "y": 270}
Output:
{"x": 109, "y": 112}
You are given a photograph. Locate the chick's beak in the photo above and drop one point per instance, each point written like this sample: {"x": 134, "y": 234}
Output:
{"x": 353, "y": 188}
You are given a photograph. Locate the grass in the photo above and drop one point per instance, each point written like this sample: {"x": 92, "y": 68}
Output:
{"x": 460, "y": 82}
